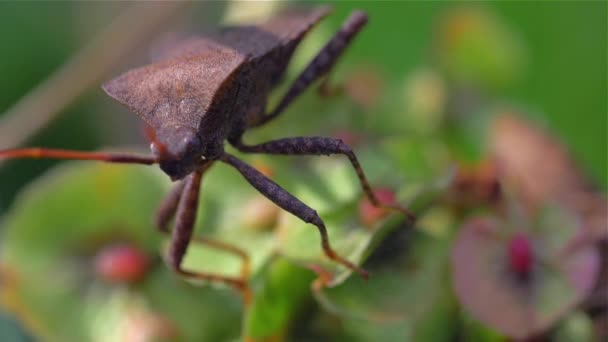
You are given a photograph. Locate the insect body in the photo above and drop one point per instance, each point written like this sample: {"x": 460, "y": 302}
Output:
{"x": 209, "y": 90}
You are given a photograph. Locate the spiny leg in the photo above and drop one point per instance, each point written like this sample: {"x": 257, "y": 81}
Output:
{"x": 182, "y": 235}
{"x": 186, "y": 216}
{"x": 47, "y": 153}
{"x": 168, "y": 207}
{"x": 291, "y": 204}
{"x": 166, "y": 212}
{"x": 321, "y": 65}
{"x": 321, "y": 146}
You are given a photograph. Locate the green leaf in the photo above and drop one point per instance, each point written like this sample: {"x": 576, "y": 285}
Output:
{"x": 279, "y": 295}
{"x": 407, "y": 297}
{"x": 55, "y": 227}
{"x": 576, "y": 327}
{"x": 51, "y": 236}
{"x": 199, "y": 313}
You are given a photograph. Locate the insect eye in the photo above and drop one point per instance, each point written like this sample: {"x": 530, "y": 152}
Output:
{"x": 176, "y": 142}
{"x": 190, "y": 143}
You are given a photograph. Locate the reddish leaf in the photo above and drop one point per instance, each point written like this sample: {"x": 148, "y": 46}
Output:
{"x": 487, "y": 262}
{"x": 540, "y": 169}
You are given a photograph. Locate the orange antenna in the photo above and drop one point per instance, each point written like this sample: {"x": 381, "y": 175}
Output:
{"x": 38, "y": 153}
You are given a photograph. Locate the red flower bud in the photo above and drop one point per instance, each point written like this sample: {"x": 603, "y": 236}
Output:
{"x": 121, "y": 263}
{"x": 521, "y": 255}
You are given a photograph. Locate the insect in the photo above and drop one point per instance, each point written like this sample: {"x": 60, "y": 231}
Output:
{"x": 208, "y": 90}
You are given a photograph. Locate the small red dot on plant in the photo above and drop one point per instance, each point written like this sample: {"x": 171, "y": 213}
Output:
{"x": 520, "y": 254}
{"x": 121, "y": 263}
{"x": 368, "y": 213}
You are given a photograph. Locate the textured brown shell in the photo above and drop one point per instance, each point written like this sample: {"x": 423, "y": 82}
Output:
{"x": 193, "y": 76}
{"x": 178, "y": 90}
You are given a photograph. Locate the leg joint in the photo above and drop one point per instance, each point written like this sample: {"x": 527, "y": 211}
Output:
{"x": 343, "y": 147}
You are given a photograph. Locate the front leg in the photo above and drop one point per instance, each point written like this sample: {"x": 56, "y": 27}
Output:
{"x": 182, "y": 235}
{"x": 290, "y": 203}
{"x": 167, "y": 209}
{"x": 321, "y": 146}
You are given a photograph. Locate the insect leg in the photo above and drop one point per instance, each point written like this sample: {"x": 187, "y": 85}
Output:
{"x": 321, "y": 65}
{"x": 182, "y": 235}
{"x": 321, "y": 146}
{"x": 290, "y": 203}
{"x": 38, "y": 153}
{"x": 167, "y": 211}
{"x": 168, "y": 207}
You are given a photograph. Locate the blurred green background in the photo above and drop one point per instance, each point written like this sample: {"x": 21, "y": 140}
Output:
{"x": 544, "y": 60}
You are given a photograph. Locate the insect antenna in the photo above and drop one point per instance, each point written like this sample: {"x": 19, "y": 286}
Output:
{"x": 121, "y": 158}
{"x": 48, "y": 153}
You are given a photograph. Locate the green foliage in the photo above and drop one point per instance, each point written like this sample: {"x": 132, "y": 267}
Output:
{"x": 280, "y": 293}
{"x": 421, "y": 85}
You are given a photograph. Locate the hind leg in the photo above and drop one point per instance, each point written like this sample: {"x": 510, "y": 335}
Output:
{"x": 320, "y": 66}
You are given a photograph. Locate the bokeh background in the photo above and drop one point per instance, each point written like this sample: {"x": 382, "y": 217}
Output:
{"x": 427, "y": 90}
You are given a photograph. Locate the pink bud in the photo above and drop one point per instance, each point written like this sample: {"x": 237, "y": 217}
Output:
{"x": 521, "y": 255}
{"x": 121, "y": 263}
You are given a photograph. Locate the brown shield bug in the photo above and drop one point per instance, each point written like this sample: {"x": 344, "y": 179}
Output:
{"x": 212, "y": 89}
